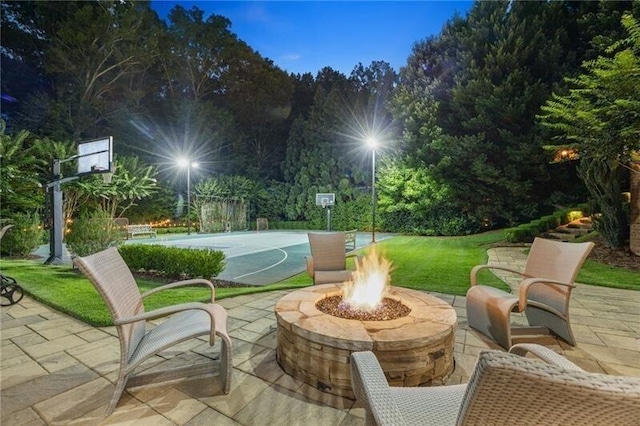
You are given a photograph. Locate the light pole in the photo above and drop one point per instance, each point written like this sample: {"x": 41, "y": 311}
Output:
{"x": 184, "y": 162}
{"x": 372, "y": 144}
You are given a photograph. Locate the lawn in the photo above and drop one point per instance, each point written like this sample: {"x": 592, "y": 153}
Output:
{"x": 68, "y": 291}
{"x": 438, "y": 264}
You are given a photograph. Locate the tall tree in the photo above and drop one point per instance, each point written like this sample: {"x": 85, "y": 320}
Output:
{"x": 90, "y": 54}
{"x": 20, "y": 188}
{"x": 598, "y": 118}
{"x": 468, "y": 99}
{"x": 260, "y": 101}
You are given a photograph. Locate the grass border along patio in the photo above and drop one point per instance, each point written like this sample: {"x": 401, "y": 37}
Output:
{"x": 438, "y": 264}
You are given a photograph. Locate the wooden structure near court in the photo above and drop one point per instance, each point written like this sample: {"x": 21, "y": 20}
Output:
{"x": 223, "y": 215}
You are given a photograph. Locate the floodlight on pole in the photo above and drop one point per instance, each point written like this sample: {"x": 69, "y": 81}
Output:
{"x": 373, "y": 143}
{"x": 184, "y": 162}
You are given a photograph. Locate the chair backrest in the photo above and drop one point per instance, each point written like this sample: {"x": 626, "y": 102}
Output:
{"x": 556, "y": 260}
{"x": 509, "y": 389}
{"x": 4, "y": 230}
{"x": 328, "y": 251}
{"x": 112, "y": 278}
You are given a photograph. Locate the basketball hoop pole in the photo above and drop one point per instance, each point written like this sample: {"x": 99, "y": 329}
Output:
{"x": 56, "y": 227}
{"x": 326, "y": 200}
{"x": 57, "y": 222}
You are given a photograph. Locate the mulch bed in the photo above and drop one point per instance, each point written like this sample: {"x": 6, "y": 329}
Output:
{"x": 619, "y": 257}
{"x": 218, "y": 283}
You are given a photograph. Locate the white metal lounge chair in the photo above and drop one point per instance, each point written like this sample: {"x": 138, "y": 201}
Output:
{"x": 504, "y": 389}
{"x": 544, "y": 294}
{"x": 112, "y": 278}
{"x": 328, "y": 260}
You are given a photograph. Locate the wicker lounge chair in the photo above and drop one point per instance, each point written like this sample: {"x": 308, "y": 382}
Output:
{"x": 504, "y": 388}
{"x": 112, "y": 278}
{"x": 543, "y": 295}
{"x": 328, "y": 260}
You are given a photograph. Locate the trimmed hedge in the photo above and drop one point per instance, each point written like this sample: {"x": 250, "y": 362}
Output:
{"x": 526, "y": 232}
{"x": 173, "y": 261}
{"x": 287, "y": 225}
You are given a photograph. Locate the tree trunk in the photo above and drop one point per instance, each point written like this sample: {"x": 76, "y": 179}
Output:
{"x": 604, "y": 185}
{"x": 634, "y": 240}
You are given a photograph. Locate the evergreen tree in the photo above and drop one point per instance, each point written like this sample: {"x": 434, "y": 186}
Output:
{"x": 468, "y": 100}
{"x": 598, "y": 118}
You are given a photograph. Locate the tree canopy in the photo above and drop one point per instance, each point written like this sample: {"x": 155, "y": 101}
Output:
{"x": 461, "y": 146}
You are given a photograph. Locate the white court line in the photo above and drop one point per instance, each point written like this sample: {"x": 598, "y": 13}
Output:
{"x": 268, "y": 267}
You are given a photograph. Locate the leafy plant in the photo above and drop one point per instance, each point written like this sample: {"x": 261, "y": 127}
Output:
{"x": 24, "y": 237}
{"x": 91, "y": 233}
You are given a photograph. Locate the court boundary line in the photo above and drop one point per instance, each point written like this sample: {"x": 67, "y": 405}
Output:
{"x": 286, "y": 255}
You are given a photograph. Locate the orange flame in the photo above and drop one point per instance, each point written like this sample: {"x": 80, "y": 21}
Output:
{"x": 369, "y": 284}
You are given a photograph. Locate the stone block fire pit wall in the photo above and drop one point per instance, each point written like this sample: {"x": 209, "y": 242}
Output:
{"x": 415, "y": 350}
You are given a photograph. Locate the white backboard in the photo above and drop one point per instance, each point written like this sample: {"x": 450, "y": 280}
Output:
{"x": 325, "y": 199}
{"x": 95, "y": 156}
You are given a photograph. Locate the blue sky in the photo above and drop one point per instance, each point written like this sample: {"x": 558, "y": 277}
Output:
{"x": 305, "y": 36}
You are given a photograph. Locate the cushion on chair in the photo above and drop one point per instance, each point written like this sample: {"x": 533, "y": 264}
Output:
{"x": 182, "y": 326}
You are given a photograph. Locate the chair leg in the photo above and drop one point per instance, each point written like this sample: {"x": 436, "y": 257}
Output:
{"x": 117, "y": 393}
{"x": 488, "y": 311}
{"x": 226, "y": 365}
{"x": 560, "y": 326}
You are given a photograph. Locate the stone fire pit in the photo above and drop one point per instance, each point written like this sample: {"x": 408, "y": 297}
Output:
{"x": 315, "y": 347}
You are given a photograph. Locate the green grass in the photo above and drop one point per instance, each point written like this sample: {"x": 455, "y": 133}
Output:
{"x": 68, "y": 291}
{"x": 438, "y": 264}
{"x": 442, "y": 264}
{"x": 598, "y": 274}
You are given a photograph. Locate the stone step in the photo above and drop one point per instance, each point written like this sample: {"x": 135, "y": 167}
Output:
{"x": 579, "y": 225}
{"x": 574, "y": 231}
{"x": 562, "y": 236}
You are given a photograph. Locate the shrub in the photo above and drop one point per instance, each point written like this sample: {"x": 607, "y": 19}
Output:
{"x": 173, "y": 262}
{"x": 91, "y": 233}
{"x": 25, "y": 236}
{"x": 172, "y": 230}
{"x": 292, "y": 224}
{"x": 526, "y": 232}
{"x": 522, "y": 234}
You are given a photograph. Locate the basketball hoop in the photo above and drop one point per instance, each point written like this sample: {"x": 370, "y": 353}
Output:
{"x": 326, "y": 200}
{"x": 107, "y": 174}
{"x": 94, "y": 156}
{"x": 106, "y": 178}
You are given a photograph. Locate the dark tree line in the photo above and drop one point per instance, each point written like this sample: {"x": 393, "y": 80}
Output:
{"x": 462, "y": 146}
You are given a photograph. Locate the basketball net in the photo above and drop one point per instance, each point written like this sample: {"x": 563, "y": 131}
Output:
{"x": 106, "y": 178}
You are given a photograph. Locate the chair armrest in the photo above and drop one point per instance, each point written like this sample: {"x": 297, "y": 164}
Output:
{"x": 473, "y": 276}
{"x": 310, "y": 271}
{"x": 544, "y": 354}
{"x": 182, "y": 284}
{"x": 524, "y": 289}
{"x": 217, "y": 313}
{"x": 372, "y": 390}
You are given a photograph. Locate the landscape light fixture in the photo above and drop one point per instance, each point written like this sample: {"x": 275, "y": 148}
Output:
{"x": 373, "y": 143}
{"x": 184, "y": 162}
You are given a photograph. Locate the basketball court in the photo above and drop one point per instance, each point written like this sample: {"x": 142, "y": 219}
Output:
{"x": 256, "y": 258}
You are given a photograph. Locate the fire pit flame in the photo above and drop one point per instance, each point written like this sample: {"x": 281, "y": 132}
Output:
{"x": 369, "y": 284}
